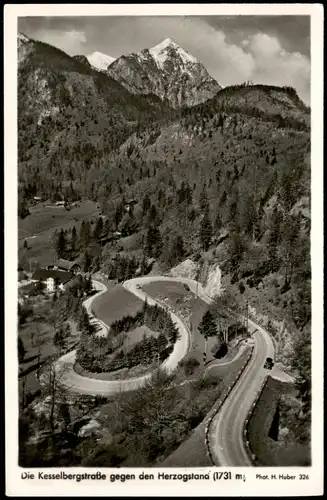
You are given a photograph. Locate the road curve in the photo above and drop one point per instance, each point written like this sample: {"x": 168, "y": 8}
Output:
{"x": 104, "y": 328}
{"x": 85, "y": 385}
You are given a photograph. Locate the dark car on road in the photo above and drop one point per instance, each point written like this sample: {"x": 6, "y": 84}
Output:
{"x": 268, "y": 364}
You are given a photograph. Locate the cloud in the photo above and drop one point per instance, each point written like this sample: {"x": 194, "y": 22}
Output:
{"x": 76, "y": 36}
{"x": 273, "y": 64}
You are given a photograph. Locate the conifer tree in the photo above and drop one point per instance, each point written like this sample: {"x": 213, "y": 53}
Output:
{"x": 73, "y": 240}
{"x": 207, "y": 328}
{"x": 87, "y": 262}
{"x": 203, "y": 198}
{"x": 205, "y": 231}
{"x": 97, "y": 233}
{"x": 85, "y": 234}
{"x": 61, "y": 244}
{"x": 146, "y": 204}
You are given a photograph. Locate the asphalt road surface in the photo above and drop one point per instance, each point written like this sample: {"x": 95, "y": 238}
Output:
{"x": 226, "y": 431}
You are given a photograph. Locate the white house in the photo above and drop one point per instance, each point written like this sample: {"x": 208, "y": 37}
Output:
{"x": 53, "y": 279}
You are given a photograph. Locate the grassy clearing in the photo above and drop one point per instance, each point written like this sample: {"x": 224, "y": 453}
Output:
{"x": 37, "y": 337}
{"x": 38, "y": 227}
{"x": 116, "y": 303}
{"x": 45, "y": 216}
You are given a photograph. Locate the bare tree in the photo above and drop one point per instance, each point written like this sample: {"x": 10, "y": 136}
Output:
{"x": 54, "y": 391}
{"x": 41, "y": 342}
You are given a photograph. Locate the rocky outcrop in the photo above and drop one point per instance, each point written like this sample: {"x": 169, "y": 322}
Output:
{"x": 82, "y": 59}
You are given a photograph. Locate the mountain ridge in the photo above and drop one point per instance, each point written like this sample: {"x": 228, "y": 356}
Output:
{"x": 165, "y": 70}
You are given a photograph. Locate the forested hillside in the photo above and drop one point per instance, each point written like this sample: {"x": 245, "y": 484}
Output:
{"x": 69, "y": 116}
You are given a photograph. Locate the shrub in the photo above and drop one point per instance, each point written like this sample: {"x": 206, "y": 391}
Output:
{"x": 189, "y": 365}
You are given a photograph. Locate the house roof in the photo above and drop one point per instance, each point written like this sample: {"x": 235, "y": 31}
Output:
{"x": 44, "y": 274}
{"x": 65, "y": 264}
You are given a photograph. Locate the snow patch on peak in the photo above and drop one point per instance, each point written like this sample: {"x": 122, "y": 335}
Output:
{"x": 159, "y": 52}
{"x": 186, "y": 57}
{"x": 167, "y": 42}
{"x": 100, "y": 61}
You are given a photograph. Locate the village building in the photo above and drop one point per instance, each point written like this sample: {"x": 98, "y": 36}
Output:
{"x": 65, "y": 265}
{"x": 53, "y": 279}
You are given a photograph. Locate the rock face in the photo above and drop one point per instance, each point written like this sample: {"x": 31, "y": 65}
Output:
{"x": 213, "y": 284}
{"x": 82, "y": 59}
{"x": 167, "y": 71}
{"x": 186, "y": 269}
{"x": 24, "y": 47}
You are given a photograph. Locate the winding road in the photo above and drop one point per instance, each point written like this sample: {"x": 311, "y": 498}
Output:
{"x": 84, "y": 385}
{"x": 226, "y": 429}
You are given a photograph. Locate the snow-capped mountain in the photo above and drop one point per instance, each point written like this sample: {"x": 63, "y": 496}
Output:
{"x": 167, "y": 71}
{"x": 100, "y": 61}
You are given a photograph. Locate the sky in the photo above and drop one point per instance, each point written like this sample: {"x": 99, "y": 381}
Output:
{"x": 262, "y": 49}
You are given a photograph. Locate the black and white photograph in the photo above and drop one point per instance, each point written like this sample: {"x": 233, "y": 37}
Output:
{"x": 164, "y": 311}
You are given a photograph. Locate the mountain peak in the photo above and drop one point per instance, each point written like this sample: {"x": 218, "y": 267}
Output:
{"x": 164, "y": 44}
{"x": 160, "y": 53}
{"x": 100, "y": 61}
